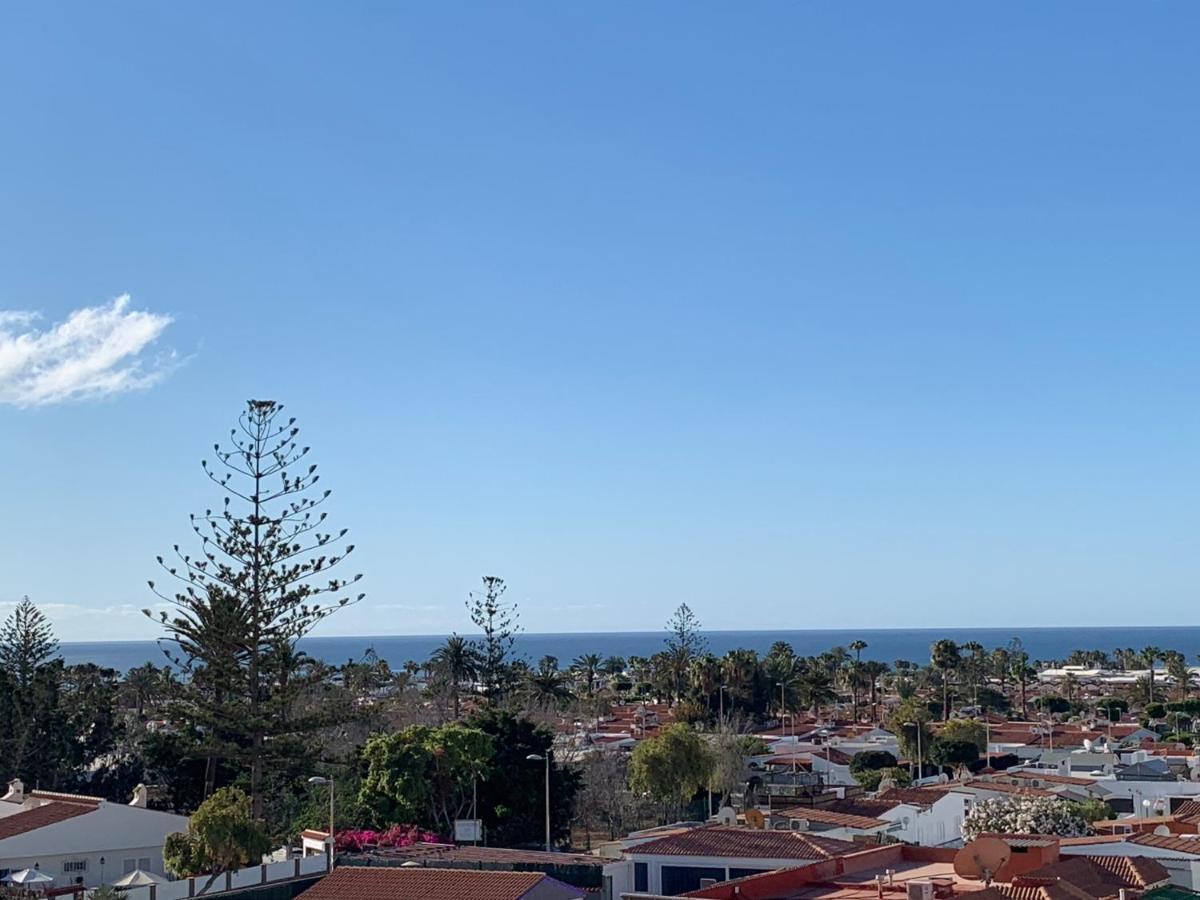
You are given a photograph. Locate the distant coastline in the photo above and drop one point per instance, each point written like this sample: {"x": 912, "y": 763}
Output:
{"x": 885, "y": 644}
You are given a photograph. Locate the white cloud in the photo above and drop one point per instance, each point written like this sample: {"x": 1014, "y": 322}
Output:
{"x": 94, "y": 352}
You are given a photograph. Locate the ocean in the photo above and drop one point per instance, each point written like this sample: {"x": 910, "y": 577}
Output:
{"x": 887, "y": 645}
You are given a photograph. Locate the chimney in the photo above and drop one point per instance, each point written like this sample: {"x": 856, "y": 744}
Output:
{"x": 16, "y": 792}
{"x": 140, "y": 797}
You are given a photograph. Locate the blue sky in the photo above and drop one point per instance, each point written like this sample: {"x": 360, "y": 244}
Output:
{"x": 806, "y": 314}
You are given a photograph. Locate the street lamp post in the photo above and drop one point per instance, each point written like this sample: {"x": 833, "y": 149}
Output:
{"x": 318, "y": 780}
{"x": 537, "y": 757}
{"x": 721, "y": 703}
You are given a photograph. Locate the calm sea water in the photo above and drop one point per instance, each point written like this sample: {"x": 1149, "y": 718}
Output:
{"x": 883, "y": 644}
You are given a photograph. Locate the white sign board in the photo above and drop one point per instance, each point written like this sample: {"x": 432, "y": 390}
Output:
{"x": 468, "y": 829}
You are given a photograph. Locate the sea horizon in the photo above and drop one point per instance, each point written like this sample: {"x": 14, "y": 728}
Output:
{"x": 1042, "y": 642}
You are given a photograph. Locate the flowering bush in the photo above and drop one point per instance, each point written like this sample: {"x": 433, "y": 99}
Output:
{"x": 1025, "y": 815}
{"x": 354, "y": 840}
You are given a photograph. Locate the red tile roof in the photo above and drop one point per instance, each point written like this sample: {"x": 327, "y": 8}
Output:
{"x": 1188, "y": 811}
{"x": 729, "y": 840}
{"x": 830, "y": 817}
{"x": 918, "y": 796}
{"x": 860, "y": 806}
{"x": 1049, "y": 778}
{"x": 1004, "y": 787}
{"x": 1099, "y": 876}
{"x": 381, "y": 883}
{"x": 1176, "y": 842}
{"x": 41, "y": 816}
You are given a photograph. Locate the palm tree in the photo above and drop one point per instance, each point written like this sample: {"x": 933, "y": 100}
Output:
{"x": 815, "y": 689}
{"x": 854, "y": 674}
{"x": 1148, "y": 657}
{"x": 976, "y": 653}
{"x": 455, "y": 662}
{"x": 740, "y": 668}
{"x": 874, "y": 671}
{"x": 705, "y": 677}
{"x": 547, "y": 688}
{"x": 944, "y": 657}
{"x": 1069, "y": 683}
{"x": 1181, "y": 675}
{"x": 588, "y": 665}
{"x": 143, "y": 684}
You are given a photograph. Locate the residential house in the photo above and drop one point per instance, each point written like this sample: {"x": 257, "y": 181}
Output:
{"x": 698, "y": 856}
{"x": 419, "y": 883}
{"x": 81, "y": 840}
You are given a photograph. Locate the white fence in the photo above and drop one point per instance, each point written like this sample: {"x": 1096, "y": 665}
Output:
{"x": 254, "y": 876}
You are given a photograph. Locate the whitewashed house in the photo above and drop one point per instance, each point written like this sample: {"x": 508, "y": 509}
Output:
{"x": 81, "y": 840}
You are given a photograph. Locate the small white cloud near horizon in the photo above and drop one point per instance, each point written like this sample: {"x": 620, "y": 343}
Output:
{"x": 95, "y": 352}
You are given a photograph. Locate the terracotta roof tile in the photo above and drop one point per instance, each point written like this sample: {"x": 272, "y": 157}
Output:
{"x": 1176, "y": 842}
{"x": 919, "y": 796}
{"x": 41, "y": 816}
{"x": 380, "y": 883}
{"x": 830, "y": 817}
{"x": 728, "y": 840}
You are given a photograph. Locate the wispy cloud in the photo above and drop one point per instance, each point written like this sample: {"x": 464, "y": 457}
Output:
{"x": 94, "y": 352}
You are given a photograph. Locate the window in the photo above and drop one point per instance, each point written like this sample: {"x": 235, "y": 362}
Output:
{"x": 681, "y": 879}
{"x": 74, "y": 865}
{"x": 128, "y": 865}
{"x": 641, "y": 877}
{"x": 144, "y": 863}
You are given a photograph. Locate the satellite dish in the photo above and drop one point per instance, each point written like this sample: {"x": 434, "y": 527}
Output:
{"x": 726, "y": 815}
{"x": 1162, "y": 831}
{"x": 981, "y": 859}
{"x": 886, "y": 784}
{"x": 755, "y": 818}
{"x": 1195, "y": 775}
{"x": 943, "y": 778}
{"x": 1088, "y": 744}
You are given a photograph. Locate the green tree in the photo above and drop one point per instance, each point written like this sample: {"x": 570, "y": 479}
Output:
{"x": 27, "y": 643}
{"x": 547, "y": 688}
{"x": 1113, "y": 707}
{"x": 949, "y": 752}
{"x": 684, "y": 643}
{"x": 512, "y": 793}
{"x": 944, "y": 657}
{"x": 1148, "y": 657}
{"x": 261, "y": 581}
{"x": 815, "y": 689}
{"x": 672, "y": 766}
{"x": 454, "y": 664}
{"x": 34, "y": 743}
{"x": 222, "y": 835}
{"x": 499, "y": 623}
{"x": 965, "y": 730}
{"x": 1053, "y": 704}
{"x": 587, "y": 666}
{"x": 872, "y": 759}
{"x": 423, "y": 775}
{"x": 1093, "y": 810}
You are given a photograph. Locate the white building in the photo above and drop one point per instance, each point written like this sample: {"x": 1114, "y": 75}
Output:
{"x": 81, "y": 840}
{"x": 696, "y": 857}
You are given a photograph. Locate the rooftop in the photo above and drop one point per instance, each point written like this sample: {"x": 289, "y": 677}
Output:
{"x": 364, "y": 883}
{"x": 734, "y": 841}
{"x": 41, "y": 816}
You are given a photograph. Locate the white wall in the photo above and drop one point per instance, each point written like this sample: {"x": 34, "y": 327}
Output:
{"x": 113, "y": 868}
{"x": 113, "y": 831}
